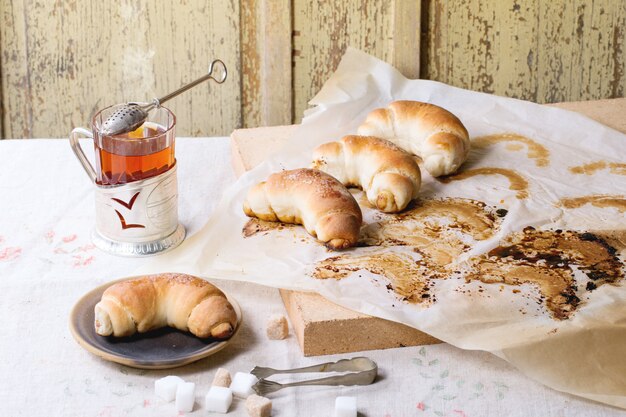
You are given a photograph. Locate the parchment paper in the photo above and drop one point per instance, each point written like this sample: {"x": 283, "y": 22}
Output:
{"x": 582, "y": 353}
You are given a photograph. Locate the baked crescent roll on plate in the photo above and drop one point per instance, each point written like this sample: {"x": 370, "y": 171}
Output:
{"x": 389, "y": 175}
{"x": 180, "y": 301}
{"x": 433, "y": 133}
{"x": 309, "y": 197}
{"x": 162, "y": 348}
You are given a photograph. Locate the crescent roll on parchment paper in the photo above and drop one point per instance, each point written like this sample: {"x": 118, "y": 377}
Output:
{"x": 389, "y": 176}
{"x": 433, "y": 133}
{"x": 181, "y": 301}
{"x": 310, "y": 197}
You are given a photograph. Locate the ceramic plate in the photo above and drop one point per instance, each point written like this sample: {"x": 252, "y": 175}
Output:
{"x": 159, "y": 349}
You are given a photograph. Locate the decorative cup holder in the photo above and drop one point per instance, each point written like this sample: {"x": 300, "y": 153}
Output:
{"x": 135, "y": 185}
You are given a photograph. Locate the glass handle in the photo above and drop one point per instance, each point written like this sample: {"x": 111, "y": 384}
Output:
{"x": 78, "y": 151}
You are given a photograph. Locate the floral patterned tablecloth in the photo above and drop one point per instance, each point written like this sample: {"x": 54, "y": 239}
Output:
{"x": 47, "y": 262}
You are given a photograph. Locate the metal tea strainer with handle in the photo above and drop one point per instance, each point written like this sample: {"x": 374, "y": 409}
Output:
{"x": 132, "y": 115}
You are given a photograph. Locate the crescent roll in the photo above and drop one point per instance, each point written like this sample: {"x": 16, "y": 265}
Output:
{"x": 181, "y": 301}
{"x": 309, "y": 197}
{"x": 434, "y": 134}
{"x": 389, "y": 176}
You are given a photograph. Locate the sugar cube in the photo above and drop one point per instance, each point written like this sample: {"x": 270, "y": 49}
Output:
{"x": 242, "y": 384}
{"x": 165, "y": 388}
{"x": 222, "y": 378}
{"x": 185, "y": 396}
{"x": 218, "y": 399}
{"x": 345, "y": 407}
{"x": 277, "y": 328}
{"x": 258, "y": 406}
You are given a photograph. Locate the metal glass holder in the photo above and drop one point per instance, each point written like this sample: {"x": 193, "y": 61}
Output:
{"x": 139, "y": 218}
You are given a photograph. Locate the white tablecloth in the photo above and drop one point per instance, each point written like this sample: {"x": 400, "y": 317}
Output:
{"x": 47, "y": 262}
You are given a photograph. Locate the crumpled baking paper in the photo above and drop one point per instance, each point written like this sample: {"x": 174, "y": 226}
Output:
{"x": 582, "y": 354}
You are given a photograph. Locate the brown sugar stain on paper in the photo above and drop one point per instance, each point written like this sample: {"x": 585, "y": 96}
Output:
{"x": 408, "y": 278}
{"x": 597, "y": 200}
{"x": 514, "y": 147}
{"x": 431, "y": 228}
{"x": 546, "y": 259}
{"x": 256, "y": 226}
{"x": 516, "y": 142}
{"x": 591, "y": 168}
{"x": 615, "y": 238}
{"x": 517, "y": 183}
{"x": 432, "y": 233}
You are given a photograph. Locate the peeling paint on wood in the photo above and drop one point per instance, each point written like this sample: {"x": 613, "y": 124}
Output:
{"x": 325, "y": 29}
{"x": 62, "y": 61}
{"x": 406, "y": 37}
{"x": 266, "y": 60}
{"x": 250, "y": 64}
{"x": 543, "y": 51}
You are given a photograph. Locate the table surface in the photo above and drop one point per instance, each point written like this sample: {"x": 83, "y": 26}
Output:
{"x": 47, "y": 262}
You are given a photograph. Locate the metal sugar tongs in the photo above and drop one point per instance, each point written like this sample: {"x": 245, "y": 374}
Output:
{"x": 132, "y": 115}
{"x": 362, "y": 371}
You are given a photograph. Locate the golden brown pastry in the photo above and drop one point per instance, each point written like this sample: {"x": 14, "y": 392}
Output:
{"x": 389, "y": 176}
{"x": 181, "y": 301}
{"x": 434, "y": 134}
{"x": 309, "y": 197}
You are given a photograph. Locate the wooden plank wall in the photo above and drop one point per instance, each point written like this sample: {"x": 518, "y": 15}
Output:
{"x": 266, "y": 62}
{"x": 543, "y": 51}
{"x": 60, "y": 61}
{"x": 323, "y": 30}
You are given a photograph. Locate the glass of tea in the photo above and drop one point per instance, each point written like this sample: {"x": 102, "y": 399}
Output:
{"x": 143, "y": 153}
{"x": 136, "y": 187}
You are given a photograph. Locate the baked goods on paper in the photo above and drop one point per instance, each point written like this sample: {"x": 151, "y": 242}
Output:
{"x": 181, "y": 301}
{"x": 309, "y": 197}
{"x": 389, "y": 176}
{"x": 520, "y": 252}
{"x": 433, "y": 133}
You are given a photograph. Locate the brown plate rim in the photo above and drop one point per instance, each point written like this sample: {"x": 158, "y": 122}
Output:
{"x": 136, "y": 363}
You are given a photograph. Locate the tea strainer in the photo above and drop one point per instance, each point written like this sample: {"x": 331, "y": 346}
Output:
{"x": 129, "y": 117}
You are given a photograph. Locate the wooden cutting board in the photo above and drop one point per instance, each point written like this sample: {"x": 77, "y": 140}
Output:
{"x": 322, "y": 327}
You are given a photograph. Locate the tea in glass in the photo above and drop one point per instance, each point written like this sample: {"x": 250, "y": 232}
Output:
{"x": 143, "y": 153}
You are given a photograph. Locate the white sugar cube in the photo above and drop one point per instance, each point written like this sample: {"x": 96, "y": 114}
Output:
{"x": 185, "y": 396}
{"x": 165, "y": 388}
{"x": 345, "y": 407}
{"x": 222, "y": 378}
{"x": 218, "y": 399}
{"x": 277, "y": 328}
{"x": 258, "y": 406}
{"x": 242, "y": 384}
